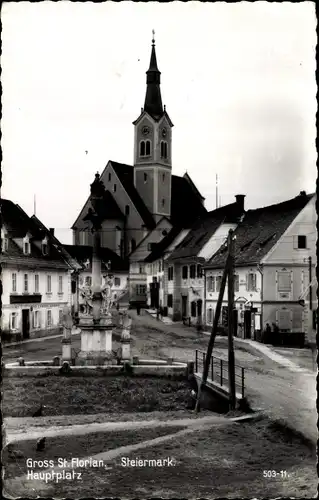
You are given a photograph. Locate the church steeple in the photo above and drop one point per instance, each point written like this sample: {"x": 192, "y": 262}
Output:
{"x": 153, "y": 99}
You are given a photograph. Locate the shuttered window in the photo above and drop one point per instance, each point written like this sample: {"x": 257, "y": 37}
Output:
{"x": 284, "y": 319}
{"x": 211, "y": 284}
{"x": 251, "y": 282}
{"x": 284, "y": 281}
{"x": 218, "y": 282}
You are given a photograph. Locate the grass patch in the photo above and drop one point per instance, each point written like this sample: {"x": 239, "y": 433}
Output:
{"x": 76, "y": 446}
{"x": 216, "y": 463}
{"x": 90, "y": 395}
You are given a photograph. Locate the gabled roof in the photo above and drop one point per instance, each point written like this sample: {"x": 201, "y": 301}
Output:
{"x": 19, "y": 224}
{"x": 125, "y": 173}
{"x": 203, "y": 229}
{"x": 84, "y": 252}
{"x": 259, "y": 231}
{"x": 189, "y": 180}
{"x": 186, "y": 206}
{"x": 163, "y": 245}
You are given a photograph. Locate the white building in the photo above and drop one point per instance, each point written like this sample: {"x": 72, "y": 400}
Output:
{"x": 36, "y": 276}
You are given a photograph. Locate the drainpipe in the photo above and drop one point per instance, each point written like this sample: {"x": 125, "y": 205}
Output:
{"x": 204, "y": 301}
{"x": 260, "y": 269}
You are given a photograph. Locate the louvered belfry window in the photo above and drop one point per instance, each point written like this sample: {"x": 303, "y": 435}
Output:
{"x": 284, "y": 281}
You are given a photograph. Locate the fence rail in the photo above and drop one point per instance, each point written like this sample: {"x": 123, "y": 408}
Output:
{"x": 218, "y": 371}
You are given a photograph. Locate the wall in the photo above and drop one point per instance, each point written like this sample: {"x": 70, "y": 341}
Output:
{"x": 146, "y": 189}
{"x": 53, "y": 301}
{"x": 304, "y": 224}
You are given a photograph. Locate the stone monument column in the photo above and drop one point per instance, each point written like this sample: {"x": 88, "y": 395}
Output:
{"x": 66, "y": 339}
{"x": 96, "y": 322}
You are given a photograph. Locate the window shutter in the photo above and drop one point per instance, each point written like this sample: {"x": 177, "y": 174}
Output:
{"x": 295, "y": 241}
{"x": 255, "y": 281}
{"x": 247, "y": 282}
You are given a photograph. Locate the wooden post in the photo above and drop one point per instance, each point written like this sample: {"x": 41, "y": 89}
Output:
{"x": 231, "y": 302}
{"x": 213, "y": 334}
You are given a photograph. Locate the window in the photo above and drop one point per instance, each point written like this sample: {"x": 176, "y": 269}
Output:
{"x": 163, "y": 177}
{"x": 163, "y": 149}
{"x": 26, "y": 283}
{"x": 145, "y": 178}
{"x": 14, "y": 282}
{"x": 236, "y": 283}
{"x": 163, "y": 202}
{"x": 284, "y": 320}
{"x": 49, "y": 318}
{"x": 251, "y": 282}
{"x": 14, "y": 321}
{"x": 193, "y": 309}
{"x": 170, "y": 273}
{"x": 185, "y": 272}
{"x": 60, "y": 317}
{"x": 114, "y": 188}
{"x": 117, "y": 281}
{"x": 302, "y": 241}
{"x": 170, "y": 300}
{"x": 49, "y": 289}
{"x": 44, "y": 247}
{"x": 209, "y": 315}
{"x": 26, "y": 248}
{"x": 88, "y": 281}
{"x": 218, "y": 283}
{"x": 36, "y": 283}
{"x": 192, "y": 271}
{"x": 142, "y": 148}
{"x": 142, "y": 269}
{"x": 148, "y": 148}
{"x": 160, "y": 266}
{"x": 127, "y": 210}
{"x": 211, "y": 284}
{"x": 110, "y": 177}
{"x": 133, "y": 245}
{"x": 284, "y": 281}
{"x": 60, "y": 287}
{"x": 199, "y": 271}
{"x": 36, "y": 319}
{"x": 141, "y": 289}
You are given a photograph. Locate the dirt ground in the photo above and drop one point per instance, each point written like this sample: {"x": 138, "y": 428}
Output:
{"x": 222, "y": 462}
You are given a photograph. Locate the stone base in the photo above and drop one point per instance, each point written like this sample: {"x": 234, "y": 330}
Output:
{"x": 66, "y": 350}
{"x": 95, "y": 358}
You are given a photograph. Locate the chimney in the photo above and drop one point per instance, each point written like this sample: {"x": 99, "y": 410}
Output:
{"x": 240, "y": 200}
{"x": 52, "y": 230}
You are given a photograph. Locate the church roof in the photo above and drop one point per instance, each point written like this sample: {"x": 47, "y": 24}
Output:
{"x": 259, "y": 230}
{"x": 163, "y": 245}
{"x": 153, "y": 99}
{"x": 111, "y": 210}
{"x": 186, "y": 206}
{"x": 125, "y": 174}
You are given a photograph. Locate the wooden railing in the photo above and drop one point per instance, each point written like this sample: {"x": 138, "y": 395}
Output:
{"x": 218, "y": 371}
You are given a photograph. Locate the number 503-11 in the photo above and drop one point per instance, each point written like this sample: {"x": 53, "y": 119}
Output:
{"x": 273, "y": 473}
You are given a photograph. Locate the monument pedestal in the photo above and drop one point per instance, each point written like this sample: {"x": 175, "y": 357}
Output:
{"x": 96, "y": 341}
{"x": 66, "y": 349}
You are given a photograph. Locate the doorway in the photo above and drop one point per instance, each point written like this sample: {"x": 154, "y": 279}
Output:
{"x": 25, "y": 323}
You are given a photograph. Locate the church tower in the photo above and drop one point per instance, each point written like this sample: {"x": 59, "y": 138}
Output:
{"x": 153, "y": 147}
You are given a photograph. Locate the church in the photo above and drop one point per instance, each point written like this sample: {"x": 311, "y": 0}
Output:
{"x": 140, "y": 196}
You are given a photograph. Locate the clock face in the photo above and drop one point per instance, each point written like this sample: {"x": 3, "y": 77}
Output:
{"x": 164, "y": 132}
{"x": 145, "y": 130}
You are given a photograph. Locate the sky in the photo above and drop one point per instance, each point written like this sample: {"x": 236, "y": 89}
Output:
{"x": 238, "y": 81}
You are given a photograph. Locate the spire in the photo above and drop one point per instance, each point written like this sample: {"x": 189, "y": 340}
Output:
{"x": 153, "y": 100}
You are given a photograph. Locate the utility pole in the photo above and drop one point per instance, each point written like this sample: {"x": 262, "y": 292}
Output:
{"x": 231, "y": 302}
{"x": 212, "y": 335}
{"x": 310, "y": 285}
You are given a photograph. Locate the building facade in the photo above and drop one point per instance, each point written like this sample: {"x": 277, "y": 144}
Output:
{"x": 36, "y": 276}
{"x": 275, "y": 251}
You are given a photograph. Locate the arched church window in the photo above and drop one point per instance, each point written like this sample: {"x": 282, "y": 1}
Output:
{"x": 163, "y": 149}
{"x": 145, "y": 177}
{"x": 148, "y": 148}
{"x": 142, "y": 148}
{"x": 163, "y": 177}
{"x": 163, "y": 202}
{"x": 133, "y": 245}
